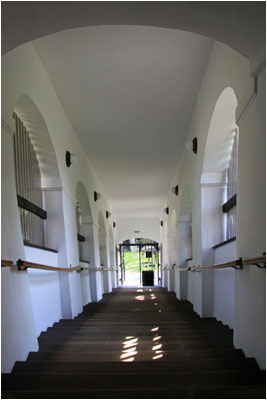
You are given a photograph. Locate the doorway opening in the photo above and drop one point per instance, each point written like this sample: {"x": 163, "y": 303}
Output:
{"x": 139, "y": 262}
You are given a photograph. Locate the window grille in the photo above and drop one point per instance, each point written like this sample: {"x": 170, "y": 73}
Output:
{"x": 79, "y": 232}
{"x": 232, "y": 173}
{"x": 28, "y": 184}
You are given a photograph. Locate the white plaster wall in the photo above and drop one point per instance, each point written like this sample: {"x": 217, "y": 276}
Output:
{"x": 23, "y": 73}
{"x": 250, "y": 288}
{"x": 190, "y": 284}
{"x": 226, "y": 68}
{"x": 44, "y": 288}
{"x": 224, "y": 285}
{"x": 184, "y": 253}
{"x": 149, "y": 228}
{"x": 85, "y": 284}
{"x": 17, "y": 319}
{"x": 69, "y": 213}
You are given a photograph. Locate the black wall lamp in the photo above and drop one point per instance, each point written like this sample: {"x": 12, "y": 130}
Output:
{"x": 114, "y": 224}
{"x": 96, "y": 196}
{"x": 161, "y": 223}
{"x": 192, "y": 145}
{"x": 108, "y": 214}
{"x": 166, "y": 210}
{"x": 175, "y": 190}
{"x": 70, "y": 158}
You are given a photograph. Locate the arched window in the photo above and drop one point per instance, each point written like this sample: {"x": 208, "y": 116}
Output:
{"x": 219, "y": 177}
{"x": 80, "y": 237}
{"x": 28, "y": 186}
{"x": 229, "y": 208}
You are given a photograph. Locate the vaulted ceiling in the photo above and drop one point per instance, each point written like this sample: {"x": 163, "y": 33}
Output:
{"x": 128, "y": 78}
{"x": 129, "y": 92}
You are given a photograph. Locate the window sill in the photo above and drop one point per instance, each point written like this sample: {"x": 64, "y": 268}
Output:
{"x": 85, "y": 261}
{"x": 224, "y": 243}
{"x": 36, "y": 246}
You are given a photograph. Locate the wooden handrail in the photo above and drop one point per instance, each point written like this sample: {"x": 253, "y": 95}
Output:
{"x": 237, "y": 264}
{"x": 22, "y": 265}
{"x": 6, "y": 263}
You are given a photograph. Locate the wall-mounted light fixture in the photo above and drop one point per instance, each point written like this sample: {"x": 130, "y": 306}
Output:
{"x": 175, "y": 190}
{"x": 166, "y": 210}
{"x": 96, "y": 196}
{"x": 191, "y": 145}
{"x": 70, "y": 158}
{"x": 161, "y": 223}
{"x": 114, "y": 224}
{"x": 108, "y": 214}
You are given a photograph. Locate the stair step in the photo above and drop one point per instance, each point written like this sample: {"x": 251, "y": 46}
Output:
{"x": 144, "y": 355}
{"x": 213, "y": 392}
{"x": 54, "y": 339}
{"x": 159, "y": 380}
{"x": 120, "y": 328}
{"x": 119, "y": 347}
{"x": 177, "y": 354}
{"x": 184, "y": 364}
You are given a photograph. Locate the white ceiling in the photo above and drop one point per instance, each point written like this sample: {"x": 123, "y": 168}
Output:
{"x": 129, "y": 92}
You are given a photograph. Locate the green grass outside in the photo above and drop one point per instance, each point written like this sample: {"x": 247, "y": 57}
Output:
{"x": 131, "y": 259}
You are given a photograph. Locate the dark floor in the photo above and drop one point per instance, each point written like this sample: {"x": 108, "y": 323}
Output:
{"x": 136, "y": 343}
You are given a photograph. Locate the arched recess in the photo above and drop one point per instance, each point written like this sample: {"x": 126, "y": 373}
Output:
{"x": 165, "y": 252}
{"x": 102, "y": 238}
{"x": 35, "y": 125}
{"x": 184, "y": 280}
{"x": 112, "y": 257}
{"x": 214, "y": 181}
{"x": 172, "y": 250}
{"x": 85, "y": 241}
{"x": 54, "y": 227}
{"x": 219, "y": 144}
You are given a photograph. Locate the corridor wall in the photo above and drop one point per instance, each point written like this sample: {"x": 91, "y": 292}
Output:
{"x": 24, "y": 75}
{"x": 225, "y": 69}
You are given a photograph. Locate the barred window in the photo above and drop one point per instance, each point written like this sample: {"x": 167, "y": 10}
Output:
{"x": 28, "y": 186}
{"x": 80, "y": 237}
{"x": 232, "y": 173}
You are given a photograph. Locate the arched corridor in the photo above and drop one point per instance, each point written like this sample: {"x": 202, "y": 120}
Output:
{"x": 129, "y": 121}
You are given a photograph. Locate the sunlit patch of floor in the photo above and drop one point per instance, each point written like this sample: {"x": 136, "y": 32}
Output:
{"x": 129, "y": 347}
{"x": 140, "y": 297}
{"x": 156, "y": 346}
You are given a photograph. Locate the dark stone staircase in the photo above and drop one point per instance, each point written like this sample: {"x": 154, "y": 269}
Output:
{"x": 136, "y": 343}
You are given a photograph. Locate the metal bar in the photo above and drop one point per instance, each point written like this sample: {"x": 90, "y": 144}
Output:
{"x": 140, "y": 264}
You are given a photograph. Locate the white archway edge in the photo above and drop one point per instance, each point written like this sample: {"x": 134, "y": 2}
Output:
{"x": 245, "y": 28}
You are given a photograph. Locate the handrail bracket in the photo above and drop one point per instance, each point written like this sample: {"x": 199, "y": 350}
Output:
{"x": 21, "y": 266}
{"x": 238, "y": 264}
